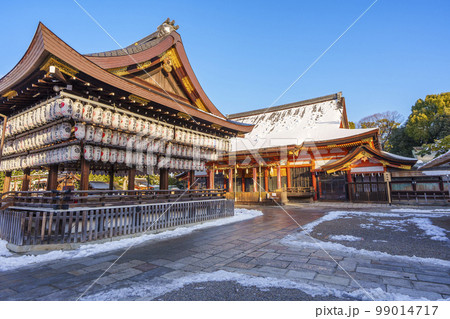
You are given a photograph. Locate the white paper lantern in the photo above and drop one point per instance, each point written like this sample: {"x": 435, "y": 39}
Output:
{"x": 124, "y": 122}
{"x": 88, "y": 152}
{"x": 120, "y": 156}
{"x": 116, "y": 119}
{"x": 107, "y": 136}
{"x": 90, "y": 132}
{"x": 65, "y": 130}
{"x": 97, "y": 153}
{"x": 105, "y": 154}
{"x": 132, "y": 124}
{"x": 152, "y": 129}
{"x": 145, "y": 127}
{"x": 131, "y": 141}
{"x": 138, "y": 127}
{"x": 112, "y": 156}
{"x": 129, "y": 158}
{"x": 107, "y": 118}
{"x": 123, "y": 139}
{"x": 98, "y": 134}
{"x": 115, "y": 138}
{"x": 80, "y": 131}
{"x": 77, "y": 110}
{"x": 97, "y": 115}
{"x": 74, "y": 152}
{"x": 88, "y": 111}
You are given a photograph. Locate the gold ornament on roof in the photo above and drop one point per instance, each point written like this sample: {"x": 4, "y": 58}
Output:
{"x": 166, "y": 28}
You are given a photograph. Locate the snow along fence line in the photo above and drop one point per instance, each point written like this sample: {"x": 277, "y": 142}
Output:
{"x": 43, "y": 229}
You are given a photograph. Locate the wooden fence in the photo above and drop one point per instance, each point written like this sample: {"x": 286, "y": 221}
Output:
{"x": 28, "y": 226}
{"x": 70, "y": 199}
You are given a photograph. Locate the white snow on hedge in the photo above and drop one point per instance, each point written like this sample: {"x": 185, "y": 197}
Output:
{"x": 153, "y": 289}
{"x": 344, "y": 238}
{"x": 10, "y": 261}
{"x": 435, "y": 232}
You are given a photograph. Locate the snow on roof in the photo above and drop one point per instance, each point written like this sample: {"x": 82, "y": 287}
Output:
{"x": 440, "y": 160}
{"x": 313, "y": 122}
{"x": 398, "y": 156}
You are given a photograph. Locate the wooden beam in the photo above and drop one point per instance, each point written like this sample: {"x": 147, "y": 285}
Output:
{"x": 111, "y": 178}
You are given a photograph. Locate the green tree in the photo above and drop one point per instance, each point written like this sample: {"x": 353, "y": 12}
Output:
{"x": 351, "y": 125}
{"x": 386, "y": 122}
{"x": 401, "y": 143}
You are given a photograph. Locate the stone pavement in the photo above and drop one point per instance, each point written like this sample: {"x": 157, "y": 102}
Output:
{"x": 250, "y": 247}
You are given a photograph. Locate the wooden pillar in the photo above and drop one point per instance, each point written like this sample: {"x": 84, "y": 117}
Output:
{"x": 288, "y": 174}
{"x": 111, "y": 179}
{"x": 26, "y": 180}
{"x": 85, "y": 171}
{"x": 131, "y": 177}
{"x": 314, "y": 183}
{"x": 255, "y": 180}
{"x": 191, "y": 179}
{"x": 7, "y": 182}
{"x": 279, "y": 177}
{"x": 230, "y": 180}
{"x": 210, "y": 179}
{"x": 266, "y": 179}
{"x": 164, "y": 179}
{"x": 349, "y": 186}
{"x": 243, "y": 181}
{"x": 52, "y": 180}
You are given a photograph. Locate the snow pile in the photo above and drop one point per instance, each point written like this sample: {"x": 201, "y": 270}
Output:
{"x": 8, "y": 262}
{"x": 435, "y": 232}
{"x": 344, "y": 238}
{"x": 3, "y": 250}
{"x": 152, "y": 289}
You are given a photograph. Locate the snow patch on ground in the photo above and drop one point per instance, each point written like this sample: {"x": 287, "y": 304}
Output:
{"x": 344, "y": 238}
{"x": 302, "y": 241}
{"x": 435, "y": 232}
{"x": 152, "y": 289}
{"x": 9, "y": 261}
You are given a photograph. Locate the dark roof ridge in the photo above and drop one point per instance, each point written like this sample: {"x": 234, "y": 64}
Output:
{"x": 335, "y": 96}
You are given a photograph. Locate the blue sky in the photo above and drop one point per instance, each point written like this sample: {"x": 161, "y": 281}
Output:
{"x": 246, "y": 53}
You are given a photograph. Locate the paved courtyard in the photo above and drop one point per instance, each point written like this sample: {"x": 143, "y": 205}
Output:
{"x": 264, "y": 258}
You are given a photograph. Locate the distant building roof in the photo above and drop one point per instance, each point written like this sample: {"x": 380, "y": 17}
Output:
{"x": 438, "y": 161}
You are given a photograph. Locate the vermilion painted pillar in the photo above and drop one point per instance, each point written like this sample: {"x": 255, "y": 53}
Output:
{"x": 314, "y": 183}
{"x": 288, "y": 173}
{"x": 26, "y": 180}
{"x": 7, "y": 182}
{"x": 210, "y": 180}
{"x": 266, "y": 179}
{"x": 230, "y": 180}
{"x": 255, "y": 180}
{"x": 278, "y": 177}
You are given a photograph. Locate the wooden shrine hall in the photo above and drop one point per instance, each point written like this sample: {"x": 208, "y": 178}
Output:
{"x": 137, "y": 110}
{"x": 303, "y": 150}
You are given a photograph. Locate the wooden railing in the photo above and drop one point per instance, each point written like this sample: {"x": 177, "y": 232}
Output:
{"x": 421, "y": 197}
{"x": 70, "y": 199}
{"x": 37, "y": 226}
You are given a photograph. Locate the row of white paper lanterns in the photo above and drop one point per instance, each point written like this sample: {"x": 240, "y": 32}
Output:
{"x": 56, "y": 133}
{"x": 62, "y": 131}
{"x": 87, "y": 113}
{"x": 58, "y": 155}
{"x": 97, "y": 154}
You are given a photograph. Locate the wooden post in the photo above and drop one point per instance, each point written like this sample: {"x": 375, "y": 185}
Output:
{"x": 26, "y": 180}
{"x": 191, "y": 181}
{"x": 243, "y": 181}
{"x": 278, "y": 177}
{"x": 349, "y": 186}
{"x": 314, "y": 183}
{"x": 131, "y": 177}
{"x": 52, "y": 180}
{"x": 85, "y": 171}
{"x": 266, "y": 179}
{"x": 111, "y": 179}
{"x": 7, "y": 182}
{"x": 164, "y": 179}
{"x": 210, "y": 180}
{"x": 255, "y": 180}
